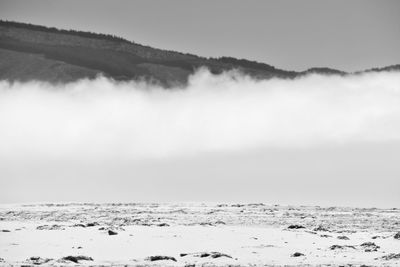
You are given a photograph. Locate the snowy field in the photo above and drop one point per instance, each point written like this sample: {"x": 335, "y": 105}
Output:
{"x": 191, "y": 234}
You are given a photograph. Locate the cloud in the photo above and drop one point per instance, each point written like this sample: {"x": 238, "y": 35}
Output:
{"x": 215, "y": 113}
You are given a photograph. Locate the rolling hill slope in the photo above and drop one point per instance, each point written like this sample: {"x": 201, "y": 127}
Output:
{"x": 31, "y": 52}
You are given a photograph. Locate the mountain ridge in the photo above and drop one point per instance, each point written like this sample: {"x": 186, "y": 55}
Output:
{"x": 34, "y": 52}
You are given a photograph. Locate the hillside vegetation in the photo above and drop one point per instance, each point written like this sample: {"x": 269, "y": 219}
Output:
{"x": 32, "y": 52}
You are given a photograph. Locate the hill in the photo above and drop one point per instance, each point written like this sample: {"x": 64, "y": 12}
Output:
{"x": 32, "y": 52}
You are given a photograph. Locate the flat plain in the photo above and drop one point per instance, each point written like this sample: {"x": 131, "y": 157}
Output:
{"x": 197, "y": 234}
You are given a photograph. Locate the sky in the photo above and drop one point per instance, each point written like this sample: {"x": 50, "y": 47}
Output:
{"x": 315, "y": 140}
{"x": 294, "y": 35}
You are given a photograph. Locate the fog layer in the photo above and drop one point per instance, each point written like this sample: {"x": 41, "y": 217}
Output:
{"x": 318, "y": 140}
{"x": 229, "y": 112}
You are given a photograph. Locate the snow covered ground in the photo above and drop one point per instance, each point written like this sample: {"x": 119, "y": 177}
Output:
{"x": 191, "y": 234}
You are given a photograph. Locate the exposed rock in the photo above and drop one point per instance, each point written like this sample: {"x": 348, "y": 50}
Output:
{"x": 78, "y": 225}
{"x": 2, "y": 260}
{"x": 38, "y": 260}
{"x": 343, "y": 237}
{"x": 295, "y": 226}
{"x": 321, "y": 228}
{"x": 347, "y": 231}
{"x": 297, "y": 254}
{"x": 5, "y": 231}
{"x": 163, "y": 224}
{"x": 111, "y": 228}
{"x": 370, "y": 246}
{"x": 397, "y": 236}
{"x": 76, "y": 259}
{"x": 111, "y": 232}
{"x": 91, "y": 224}
{"x": 50, "y": 227}
{"x": 325, "y": 236}
{"x": 335, "y": 247}
{"x": 206, "y": 224}
{"x": 212, "y": 223}
{"x": 212, "y": 254}
{"x": 160, "y": 258}
{"x": 391, "y": 256}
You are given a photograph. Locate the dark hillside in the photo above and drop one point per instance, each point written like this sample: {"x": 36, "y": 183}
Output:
{"x": 32, "y": 52}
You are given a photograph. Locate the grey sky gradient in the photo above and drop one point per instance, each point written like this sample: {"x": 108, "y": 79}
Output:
{"x": 343, "y": 34}
{"x": 354, "y": 175}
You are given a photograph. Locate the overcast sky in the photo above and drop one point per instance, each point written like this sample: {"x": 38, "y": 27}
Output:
{"x": 343, "y": 34}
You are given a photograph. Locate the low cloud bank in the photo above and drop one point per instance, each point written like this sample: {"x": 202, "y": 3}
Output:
{"x": 228, "y": 112}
